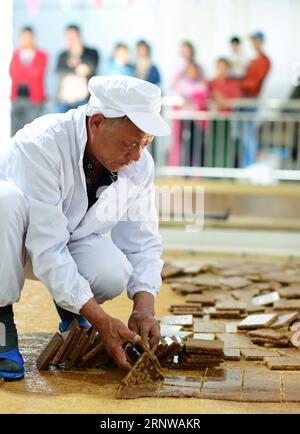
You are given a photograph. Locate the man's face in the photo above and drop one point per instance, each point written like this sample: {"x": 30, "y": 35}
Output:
{"x": 115, "y": 145}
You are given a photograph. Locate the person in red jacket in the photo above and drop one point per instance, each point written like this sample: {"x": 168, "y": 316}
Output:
{"x": 251, "y": 86}
{"x": 257, "y": 69}
{"x": 27, "y": 71}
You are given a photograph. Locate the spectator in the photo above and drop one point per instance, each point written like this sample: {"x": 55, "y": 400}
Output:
{"x": 223, "y": 88}
{"x": 145, "y": 70}
{"x": 76, "y": 65}
{"x": 188, "y": 135}
{"x": 191, "y": 86}
{"x": 187, "y": 57}
{"x": 257, "y": 70}
{"x": 27, "y": 71}
{"x": 251, "y": 85}
{"x": 237, "y": 58}
{"x": 120, "y": 64}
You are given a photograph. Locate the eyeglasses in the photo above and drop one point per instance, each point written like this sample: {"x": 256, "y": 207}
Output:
{"x": 135, "y": 145}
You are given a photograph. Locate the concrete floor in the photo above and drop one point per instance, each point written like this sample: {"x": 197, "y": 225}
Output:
{"x": 95, "y": 391}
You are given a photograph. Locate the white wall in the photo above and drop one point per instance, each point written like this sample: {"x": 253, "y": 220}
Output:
{"x": 208, "y": 23}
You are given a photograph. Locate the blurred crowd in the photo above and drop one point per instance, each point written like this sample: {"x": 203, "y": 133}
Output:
{"x": 235, "y": 77}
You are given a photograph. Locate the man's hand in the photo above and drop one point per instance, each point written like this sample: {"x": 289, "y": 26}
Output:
{"x": 112, "y": 331}
{"x": 142, "y": 320}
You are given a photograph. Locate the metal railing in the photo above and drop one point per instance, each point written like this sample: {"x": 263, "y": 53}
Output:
{"x": 226, "y": 142}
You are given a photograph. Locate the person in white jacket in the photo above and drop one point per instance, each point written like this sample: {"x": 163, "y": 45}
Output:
{"x": 66, "y": 180}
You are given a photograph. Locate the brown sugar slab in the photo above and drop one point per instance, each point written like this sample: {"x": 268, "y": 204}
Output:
{"x": 203, "y": 299}
{"x": 287, "y": 304}
{"x": 49, "y": 352}
{"x": 257, "y": 354}
{"x": 285, "y": 320}
{"x": 204, "y": 346}
{"x": 257, "y": 321}
{"x": 236, "y": 341}
{"x": 170, "y": 270}
{"x": 268, "y": 334}
{"x": 292, "y": 291}
{"x": 209, "y": 327}
{"x": 235, "y": 282}
{"x": 184, "y": 320}
{"x": 223, "y": 384}
{"x": 291, "y": 387}
{"x": 282, "y": 363}
{"x": 67, "y": 341}
{"x": 261, "y": 386}
{"x": 232, "y": 354}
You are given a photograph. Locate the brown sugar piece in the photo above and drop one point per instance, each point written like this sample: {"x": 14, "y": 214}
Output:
{"x": 193, "y": 269}
{"x": 227, "y": 314}
{"x": 170, "y": 270}
{"x": 224, "y": 384}
{"x": 266, "y": 299}
{"x": 270, "y": 342}
{"x": 81, "y": 342}
{"x": 69, "y": 350}
{"x": 94, "y": 352}
{"x": 285, "y": 320}
{"x": 291, "y": 291}
{"x": 203, "y": 299}
{"x": 287, "y": 304}
{"x": 207, "y": 282}
{"x": 291, "y": 387}
{"x": 235, "y": 282}
{"x": 236, "y": 341}
{"x": 186, "y": 309}
{"x": 204, "y": 346}
{"x": 282, "y": 363}
{"x": 268, "y": 334}
{"x": 168, "y": 348}
{"x": 252, "y": 308}
{"x": 184, "y": 320}
{"x": 261, "y": 386}
{"x": 257, "y": 321}
{"x": 231, "y": 305}
{"x": 281, "y": 277}
{"x": 209, "y": 327}
{"x": 187, "y": 288}
{"x": 145, "y": 370}
{"x": 257, "y": 353}
{"x": 49, "y": 352}
{"x": 68, "y": 338}
{"x": 91, "y": 336}
{"x": 232, "y": 354}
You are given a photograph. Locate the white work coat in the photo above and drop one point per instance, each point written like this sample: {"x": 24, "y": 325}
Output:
{"x": 45, "y": 160}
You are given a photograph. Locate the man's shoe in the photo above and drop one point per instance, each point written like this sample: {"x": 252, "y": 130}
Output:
{"x": 11, "y": 365}
{"x": 65, "y": 325}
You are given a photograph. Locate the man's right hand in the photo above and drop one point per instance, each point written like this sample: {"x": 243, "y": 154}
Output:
{"x": 112, "y": 331}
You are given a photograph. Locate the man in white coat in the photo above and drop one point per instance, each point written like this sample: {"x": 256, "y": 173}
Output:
{"x": 67, "y": 180}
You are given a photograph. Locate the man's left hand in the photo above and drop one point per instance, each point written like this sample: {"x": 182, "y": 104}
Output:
{"x": 143, "y": 323}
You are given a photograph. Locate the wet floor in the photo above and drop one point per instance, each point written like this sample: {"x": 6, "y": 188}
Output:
{"x": 94, "y": 391}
